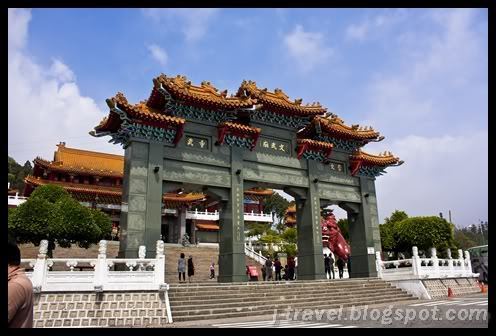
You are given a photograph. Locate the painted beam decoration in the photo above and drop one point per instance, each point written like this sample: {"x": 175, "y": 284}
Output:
{"x": 314, "y": 150}
{"x": 235, "y": 134}
{"x": 365, "y": 164}
{"x": 175, "y": 101}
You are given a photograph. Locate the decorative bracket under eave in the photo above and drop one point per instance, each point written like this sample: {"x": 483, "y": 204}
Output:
{"x": 314, "y": 148}
{"x": 237, "y": 134}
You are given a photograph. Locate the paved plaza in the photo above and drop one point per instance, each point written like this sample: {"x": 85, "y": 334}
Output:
{"x": 459, "y": 312}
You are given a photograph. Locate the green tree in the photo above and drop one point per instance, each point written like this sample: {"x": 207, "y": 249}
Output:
{"x": 17, "y": 173}
{"x": 343, "y": 226}
{"x": 51, "y": 213}
{"x": 424, "y": 232}
{"x": 277, "y": 205}
{"x": 256, "y": 229}
{"x": 463, "y": 241}
{"x": 396, "y": 216}
{"x": 290, "y": 235}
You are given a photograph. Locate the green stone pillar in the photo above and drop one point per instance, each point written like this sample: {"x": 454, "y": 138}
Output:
{"x": 364, "y": 231}
{"x": 310, "y": 256}
{"x": 232, "y": 264}
{"x": 141, "y": 198}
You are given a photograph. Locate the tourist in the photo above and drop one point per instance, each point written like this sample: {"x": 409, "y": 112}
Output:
{"x": 291, "y": 269}
{"x": 349, "y": 265}
{"x": 286, "y": 272}
{"x": 191, "y": 268}
{"x": 264, "y": 273}
{"x": 212, "y": 270}
{"x": 268, "y": 268}
{"x": 340, "y": 264}
{"x": 327, "y": 266}
{"x": 181, "y": 267}
{"x": 332, "y": 266}
{"x": 278, "y": 267}
{"x": 20, "y": 291}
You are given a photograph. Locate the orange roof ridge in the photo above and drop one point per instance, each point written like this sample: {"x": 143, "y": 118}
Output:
{"x": 206, "y": 93}
{"x": 279, "y": 99}
{"x": 382, "y": 159}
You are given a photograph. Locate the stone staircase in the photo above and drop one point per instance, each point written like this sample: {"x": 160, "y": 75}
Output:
{"x": 214, "y": 300}
{"x": 203, "y": 255}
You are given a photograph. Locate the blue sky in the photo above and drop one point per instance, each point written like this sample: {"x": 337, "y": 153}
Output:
{"x": 418, "y": 76}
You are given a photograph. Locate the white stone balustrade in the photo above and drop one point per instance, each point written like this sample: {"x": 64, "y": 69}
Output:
{"x": 213, "y": 216}
{"x": 142, "y": 273}
{"x": 258, "y": 257}
{"x": 425, "y": 268}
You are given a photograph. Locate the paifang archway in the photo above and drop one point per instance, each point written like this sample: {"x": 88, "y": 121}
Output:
{"x": 200, "y": 139}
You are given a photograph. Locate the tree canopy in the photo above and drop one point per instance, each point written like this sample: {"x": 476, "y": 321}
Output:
{"x": 51, "y": 213}
{"x": 277, "y": 204}
{"x": 17, "y": 173}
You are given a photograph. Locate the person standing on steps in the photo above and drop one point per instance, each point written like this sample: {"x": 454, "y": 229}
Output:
{"x": 332, "y": 266}
{"x": 327, "y": 266}
{"x": 340, "y": 264}
{"x": 181, "y": 267}
{"x": 268, "y": 268}
{"x": 278, "y": 267}
{"x": 264, "y": 272}
{"x": 191, "y": 268}
{"x": 212, "y": 270}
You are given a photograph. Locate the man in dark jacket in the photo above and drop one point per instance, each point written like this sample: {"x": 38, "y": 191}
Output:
{"x": 327, "y": 265}
{"x": 340, "y": 264}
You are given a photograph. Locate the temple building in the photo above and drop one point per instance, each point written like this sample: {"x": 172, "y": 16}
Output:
{"x": 95, "y": 180}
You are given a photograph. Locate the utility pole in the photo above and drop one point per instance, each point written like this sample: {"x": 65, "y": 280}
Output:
{"x": 449, "y": 215}
{"x": 482, "y": 233}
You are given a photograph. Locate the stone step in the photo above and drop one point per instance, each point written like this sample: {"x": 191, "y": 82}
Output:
{"x": 214, "y": 296}
{"x": 186, "y": 299}
{"x": 270, "y": 310}
{"x": 282, "y": 300}
{"x": 259, "y": 289}
{"x": 283, "y": 283}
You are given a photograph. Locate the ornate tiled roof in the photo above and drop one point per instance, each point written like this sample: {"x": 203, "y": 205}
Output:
{"x": 233, "y": 126}
{"x": 259, "y": 192}
{"x": 278, "y": 101}
{"x": 75, "y": 187}
{"x": 335, "y": 127}
{"x": 140, "y": 112}
{"x": 205, "y": 95}
{"x": 319, "y": 145}
{"x": 383, "y": 159}
{"x": 207, "y": 225}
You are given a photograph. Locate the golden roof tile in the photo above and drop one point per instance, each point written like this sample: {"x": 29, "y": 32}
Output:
{"x": 240, "y": 127}
{"x": 205, "y": 94}
{"x": 278, "y": 100}
{"x": 383, "y": 159}
{"x": 335, "y": 127}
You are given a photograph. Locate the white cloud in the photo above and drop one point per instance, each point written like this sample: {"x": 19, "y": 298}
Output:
{"x": 433, "y": 111}
{"x": 45, "y": 105}
{"x": 193, "y": 22}
{"x": 439, "y": 174}
{"x": 306, "y": 48}
{"x": 376, "y": 24}
{"x": 441, "y": 81}
{"x": 158, "y": 54}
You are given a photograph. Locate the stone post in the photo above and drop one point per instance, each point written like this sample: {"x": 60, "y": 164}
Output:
{"x": 378, "y": 263}
{"x": 461, "y": 261}
{"x": 451, "y": 269}
{"x": 469, "y": 264}
{"x": 416, "y": 263}
{"x": 40, "y": 268}
{"x": 101, "y": 268}
{"x": 435, "y": 261}
{"x": 159, "y": 263}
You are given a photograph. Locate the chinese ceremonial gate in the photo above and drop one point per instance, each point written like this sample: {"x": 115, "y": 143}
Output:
{"x": 195, "y": 138}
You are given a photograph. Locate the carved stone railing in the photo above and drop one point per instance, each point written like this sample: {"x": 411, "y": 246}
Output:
{"x": 213, "y": 216}
{"x": 425, "y": 268}
{"x": 258, "y": 257}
